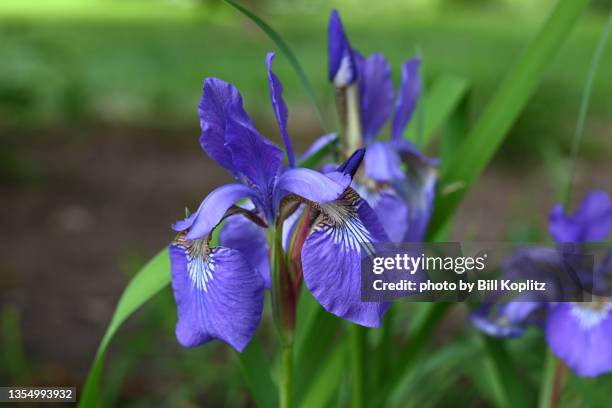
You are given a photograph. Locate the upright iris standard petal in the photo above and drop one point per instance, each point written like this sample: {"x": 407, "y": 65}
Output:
{"x": 253, "y": 155}
{"x": 331, "y": 258}
{"x": 409, "y": 92}
{"x": 312, "y": 185}
{"x": 342, "y": 67}
{"x": 250, "y": 239}
{"x": 212, "y": 210}
{"x": 351, "y": 165}
{"x": 320, "y": 147}
{"x": 219, "y": 295}
{"x": 217, "y": 98}
{"x": 383, "y": 163}
{"x": 592, "y": 221}
{"x": 375, "y": 93}
{"x": 280, "y": 108}
{"x": 579, "y": 334}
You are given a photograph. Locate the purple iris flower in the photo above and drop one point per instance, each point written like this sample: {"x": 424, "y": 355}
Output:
{"x": 219, "y": 291}
{"x": 577, "y": 332}
{"x": 399, "y": 181}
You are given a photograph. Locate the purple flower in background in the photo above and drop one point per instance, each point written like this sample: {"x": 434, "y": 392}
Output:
{"x": 219, "y": 291}
{"x": 402, "y": 198}
{"x": 577, "y": 332}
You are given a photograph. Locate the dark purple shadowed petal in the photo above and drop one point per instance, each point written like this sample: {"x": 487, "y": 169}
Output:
{"x": 319, "y": 144}
{"x": 241, "y": 234}
{"x": 342, "y": 67}
{"x": 311, "y": 185}
{"x": 217, "y": 96}
{"x": 212, "y": 210}
{"x": 580, "y": 336}
{"x": 383, "y": 163}
{"x": 591, "y": 221}
{"x": 218, "y": 295}
{"x": 375, "y": 93}
{"x": 409, "y": 92}
{"x": 417, "y": 189}
{"x": 351, "y": 164}
{"x": 331, "y": 259}
{"x": 253, "y": 156}
{"x": 280, "y": 108}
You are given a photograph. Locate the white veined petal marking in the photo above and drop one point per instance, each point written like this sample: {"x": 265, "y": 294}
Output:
{"x": 200, "y": 265}
{"x": 339, "y": 220}
{"x": 590, "y": 315}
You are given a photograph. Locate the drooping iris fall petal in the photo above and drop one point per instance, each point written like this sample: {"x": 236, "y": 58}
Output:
{"x": 331, "y": 258}
{"x": 591, "y": 221}
{"x": 219, "y": 295}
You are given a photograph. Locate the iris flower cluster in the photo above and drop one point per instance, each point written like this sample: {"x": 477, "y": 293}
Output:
{"x": 577, "y": 332}
{"x": 282, "y": 224}
{"x": 398, "y": 181}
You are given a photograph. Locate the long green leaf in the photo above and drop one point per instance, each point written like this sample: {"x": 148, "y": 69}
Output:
{"x": 496, "y": 120}
{"x": 152, "y": 278}
{"x": 285, "y": 49}
{"x": 504, "y": 373}
{"x": 327, "y": 381}
{"x": 441, "y": 99}
{"x": 253, "y": 363}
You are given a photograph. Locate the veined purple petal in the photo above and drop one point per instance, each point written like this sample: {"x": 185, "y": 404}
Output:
{"x": 253, "y": 155}
{"x": 591, "y": 221}
{"x": 280, "y": 108}
{"x": 579, "y": 334}
{"x": 342, "y": 67}
{"x": 319, "y": 144}
{"x": 241, "y": 234}
{"x": 217, "y": 97}
{"x": 311, "y": 185}
{"x": 212, "y": 210}
{"x": 331, "y": 259}
{"x": 375, "y": 93}
{"x": 383, "y": 163}
{"x": 409, "y": 92}
{"x": 218, "y": 294}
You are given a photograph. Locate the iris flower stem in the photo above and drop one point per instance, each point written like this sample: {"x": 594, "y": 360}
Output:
{"x": 286, "y": 380}
{"x": 552, "y": 382}
{"x": 357, "y": 337}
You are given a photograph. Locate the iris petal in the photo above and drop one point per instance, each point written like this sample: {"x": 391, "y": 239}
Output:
{"x": 331, "y": 259}
{"x": 243, "y": 235}
{"x": 591, "y": 221}
{"x": 580, "y": 336}
{"x": 280, "y": 108}
{"x": 212, "y": 210}
{"x": 375, "y": 93}
{"x": 217, "y": 97}
{"x": 218, "y": 294}
{"x": 409, "y": 92}
{"x": 312, "y": 185}
{"x": 383, "y": 163}
{"x": 342, "y": 67}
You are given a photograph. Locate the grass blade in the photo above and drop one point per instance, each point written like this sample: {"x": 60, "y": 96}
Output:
{"x": 152, "y": 278}
{"x": 286, "y": 50}
{"x": 499, "y": 115}
{"x": 584, "y": 107}
{"x": 253, "y": 363}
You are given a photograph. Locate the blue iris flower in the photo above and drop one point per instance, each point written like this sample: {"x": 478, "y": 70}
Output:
{"x": 577, "y": 332}
{"x": 219, "y": 291}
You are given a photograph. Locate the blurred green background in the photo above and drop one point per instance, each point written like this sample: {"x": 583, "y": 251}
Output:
{"x": 99, "y": 154}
